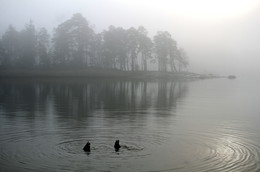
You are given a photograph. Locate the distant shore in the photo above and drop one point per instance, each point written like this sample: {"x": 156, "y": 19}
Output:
{"x": 99, "y": 73}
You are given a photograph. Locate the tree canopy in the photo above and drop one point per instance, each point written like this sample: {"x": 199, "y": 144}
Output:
{"x": 75, "y": 44}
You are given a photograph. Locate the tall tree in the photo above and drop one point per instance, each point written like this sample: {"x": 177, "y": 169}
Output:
{"x": 43, "y": 41}
{"x": 28, "y": 42}
{"x": 72, "y": 41}
{"x": 2, "y": 53}
{"x": 173, "y": 54}
{"x": 109, "y": 47}
{"x": 96, "y": 51}
{"x": 133, "y": 46}
{"x": 165, "y": 49}
{"x": 115, "y": 50}
{"x": 145, "y": 46}
{"x": 10, "y": 47}
{"x": 161, "y": 49}
{"x": 121, "y": 48}
{"x": 182, "y": 59}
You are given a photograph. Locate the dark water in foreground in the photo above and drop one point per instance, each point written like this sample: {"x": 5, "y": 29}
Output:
{"x": 210, "y": 125}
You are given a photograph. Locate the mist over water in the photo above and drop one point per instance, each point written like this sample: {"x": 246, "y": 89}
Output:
{"x": 208, "y": 125}
{"x": 177, "y": 82}
{"x": 220, "y": 37}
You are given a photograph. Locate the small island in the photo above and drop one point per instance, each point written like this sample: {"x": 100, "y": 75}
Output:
{"x": 76, "y": 50}
{"x": 231, "y": 77}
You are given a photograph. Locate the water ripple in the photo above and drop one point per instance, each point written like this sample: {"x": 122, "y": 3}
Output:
{"x": 221, "y": 149}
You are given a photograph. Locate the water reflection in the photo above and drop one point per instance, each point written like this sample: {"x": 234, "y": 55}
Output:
{"x": 51, "y": 120}
{"x": 78, "y": 99}
{"x": 162, "y": 126}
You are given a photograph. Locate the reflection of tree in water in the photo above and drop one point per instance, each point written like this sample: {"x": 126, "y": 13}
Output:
{"x": 169, "y": 93}
{"x": 80, "y": 98}
{"x": 23, "y": 97}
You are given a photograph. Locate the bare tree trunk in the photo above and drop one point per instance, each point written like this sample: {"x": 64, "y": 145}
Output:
{"x": 174, "y": 67}
{"x": 145, "y": 64}
{"x": 179, "y": 67}
{"x": 132, "y": 61}
{"x": 171, "y": 67}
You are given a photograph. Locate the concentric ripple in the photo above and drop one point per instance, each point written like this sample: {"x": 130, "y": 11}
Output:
{"x": 45, "y": 149}
{"x": 98, "y": 147}
{"x": 222, "y": 150}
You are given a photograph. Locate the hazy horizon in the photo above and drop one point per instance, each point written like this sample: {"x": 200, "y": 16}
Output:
{"x": 79, "y": 95}
{"x": 220, "y": 37}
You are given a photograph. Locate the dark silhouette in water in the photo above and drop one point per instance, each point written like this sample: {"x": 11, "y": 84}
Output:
{"x": 87, "y": 147}
{"x": 117, "y": 145}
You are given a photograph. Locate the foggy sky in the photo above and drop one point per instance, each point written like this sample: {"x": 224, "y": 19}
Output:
{"x": 220, "y": 37}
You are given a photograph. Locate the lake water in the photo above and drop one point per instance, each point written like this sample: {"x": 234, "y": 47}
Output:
{"x": 205, "y": 125}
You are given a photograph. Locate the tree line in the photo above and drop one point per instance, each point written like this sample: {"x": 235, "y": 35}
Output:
{"x": 75, "y": 44}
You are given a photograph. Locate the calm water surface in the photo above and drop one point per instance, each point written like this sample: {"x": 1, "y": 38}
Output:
{"x": 208, "y": 125}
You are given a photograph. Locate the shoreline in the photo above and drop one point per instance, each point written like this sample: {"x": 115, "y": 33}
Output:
{"x": 100, "y": 73}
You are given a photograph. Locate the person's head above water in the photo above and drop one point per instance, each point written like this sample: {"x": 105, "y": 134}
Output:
{"x": 117, "y": 145}
{"x": 87, "y": 147}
